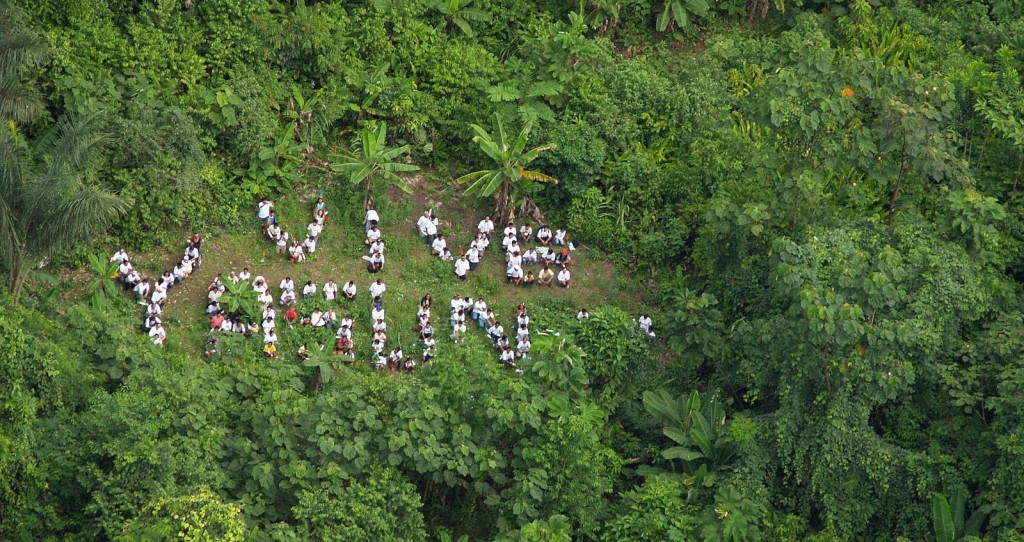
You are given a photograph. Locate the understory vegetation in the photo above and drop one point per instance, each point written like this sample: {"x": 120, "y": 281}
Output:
{"x": 819, "y": 204}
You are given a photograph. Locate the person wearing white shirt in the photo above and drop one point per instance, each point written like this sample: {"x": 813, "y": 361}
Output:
{"x": 119, "y": 256}
{"x": 297, "y": 253}
{"x": 482, "y": 242}
{"x": 159, "y": 296}
{"x": 349, "y": 290}
{"x": 308, "y": 290}
{"x": 530, "y": 256}
{"x": 447, "y": 256}
{"x": 142, "y": 289}
{"x": 265, "y": 298}
{"x": 523, "y": 319}
{"x": 495, "y": 331}
{"x": 526, "y": 232}
{"x": 273, "y": 232}
{"x": 514, "y": 258}
{"x": 508, "y": 356}
{"x": 376, "y": 262}
{"x": 486, "y": 226}
{"x": 564, "y": 278}
{"x": 377, "y": 313}
{"x": 125, "y": 267}
{"x": 549, "y": 257}
{"x": 560, "y": 236}
{"x": 583, "y": 315}
{"x": 456, "y": 303}
{"x": 287, "y": 284}
{"x": 314, "y": 229}
{"x": 431, "y": 233}
{"x": 422, "y": 223}
{"x": 371, "y": 219}
{"x": 396, "y": 355}
{"x": 269, "y": 312}
{"x": 317, "y": 318}
{"x": 461, "y": 267}
{"x": 330, "y": 290}
{"x": 346, "y": 322}
{"x": 150, "y": 322}
{"x": 244, "y": 275}
{"x": 133, "y": 278}
{"x": 380, "y": 325}
{"x": 263, "y": 210}
{"x": 372, "y": 235}
{"x": 282, "y": 242}
{"x": 473, "y": 257}
{"x": 511, "y": 228}
{"x": 479, "y": 309}
{"x": 269, "y": 325}
{"x": 154, "y": 309}
{"x": 310, "y": 245}
{"x": 507, "y": 241}
{"x": 187, "y": 265}
{"x": 522, "y": 332}
{"x": 287, "y": 297}
{"x": 377, "y": 288}
{"x": 515, "y": 274}
{"x": 158, "y": 334}
{"x": 438, "y": 246}
{"x": 646, "y": 324}
{"x": 270, "y": 337}
{"x": 523, "y": 347}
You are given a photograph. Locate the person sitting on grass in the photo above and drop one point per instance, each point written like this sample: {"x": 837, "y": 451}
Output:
{"x": 529, "y": 279}
{"x": 583, "y": 315}
{"x": 564, "y": 277}
{"x": 349, "y": 290}
{"x": 560, "y": 234}
{"x": 526, "y": 232}
{"x": 515, "y": 274}
{"x": 530, "y": 256}
{"x": 438, "y": 246}
{"x": 309, "y": 290}
{"x": 376, "y": 246}
{"x": 646, "y": 325}
{"x": 544, "y": 235}
{"x": 508, "y": 357}
{"x": 495, "y": 331}
{"x": 310, "y": 245}
{"x": 410, "y": 365}
{"x": 447, "y": 256}
{"x": 377, "y": 288}
{"x": 372, "y": 235}
{"x": 296, "y": 252}
{"x": 287, "y": 298}
{"x": 545, "y": 276}
{"x": 143, "y": 289}
{"x": 330, "y": 290}
{"x": 270, "y": 339}
{"x": 287, "y": 284}
{"x": 502, "y": 343}
{"x": 158, "y": 334}
{"x": 313, "y": 230}
{"x": 291, "y": 316}
{"x": 320, "y": 217}
{"x": 523, "y": 346}
{"x": 273, "y": 233}
{"x": 376, "y": 262}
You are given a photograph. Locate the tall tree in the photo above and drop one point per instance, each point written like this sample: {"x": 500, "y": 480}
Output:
{"x": 508, "y": 181}
{"x": 371, "y": 157}
{"x": 46, "y": 204}
{"x": 19, "y": 48}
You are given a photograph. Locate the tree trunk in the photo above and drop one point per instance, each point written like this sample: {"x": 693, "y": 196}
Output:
{"x": 369, "y": 202}
{"x": 503, "y": 210}
{"x": 896, "y": 191}
{"x": 16, "y": 278}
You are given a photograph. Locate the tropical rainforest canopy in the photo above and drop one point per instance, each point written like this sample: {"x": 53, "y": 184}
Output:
{"x": 818, "y": 203}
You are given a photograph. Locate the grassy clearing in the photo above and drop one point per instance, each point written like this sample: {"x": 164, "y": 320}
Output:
{"x": 410, "y": 272}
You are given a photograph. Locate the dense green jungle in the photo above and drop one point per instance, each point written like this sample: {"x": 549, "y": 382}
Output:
{"x": 788, "y": 238}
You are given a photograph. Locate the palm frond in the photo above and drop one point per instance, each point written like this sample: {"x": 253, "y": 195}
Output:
{"x": 17, "y": 101}
{"x": 19, "y": 47}
{"x": 80, "y": 217}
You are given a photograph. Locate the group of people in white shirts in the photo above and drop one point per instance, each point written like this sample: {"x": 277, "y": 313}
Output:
{"x": 153, "y": 295}
{"x": 285, "y": 242}
{"x": 554, "y": 250}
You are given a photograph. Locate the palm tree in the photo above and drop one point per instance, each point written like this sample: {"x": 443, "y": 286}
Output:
{"x": 458, "y": 13}
{"x": 103, "y": 285}
{"x": 45, "y": 203}
{"x": 370, "y": 156}
{"x": 19, "y": 48}
{"x": 509, "y": 181}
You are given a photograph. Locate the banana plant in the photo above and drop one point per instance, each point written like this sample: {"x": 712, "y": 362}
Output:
{"x": 677, "y": 13}
{"x": 103, "y": 286}
{"x": 459, "y": 13}
{"x": 323, "y": 360}
{"x": 948, "y": 518}
{"x": 240, "y": 299}
{"x": 700, "y": 433}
